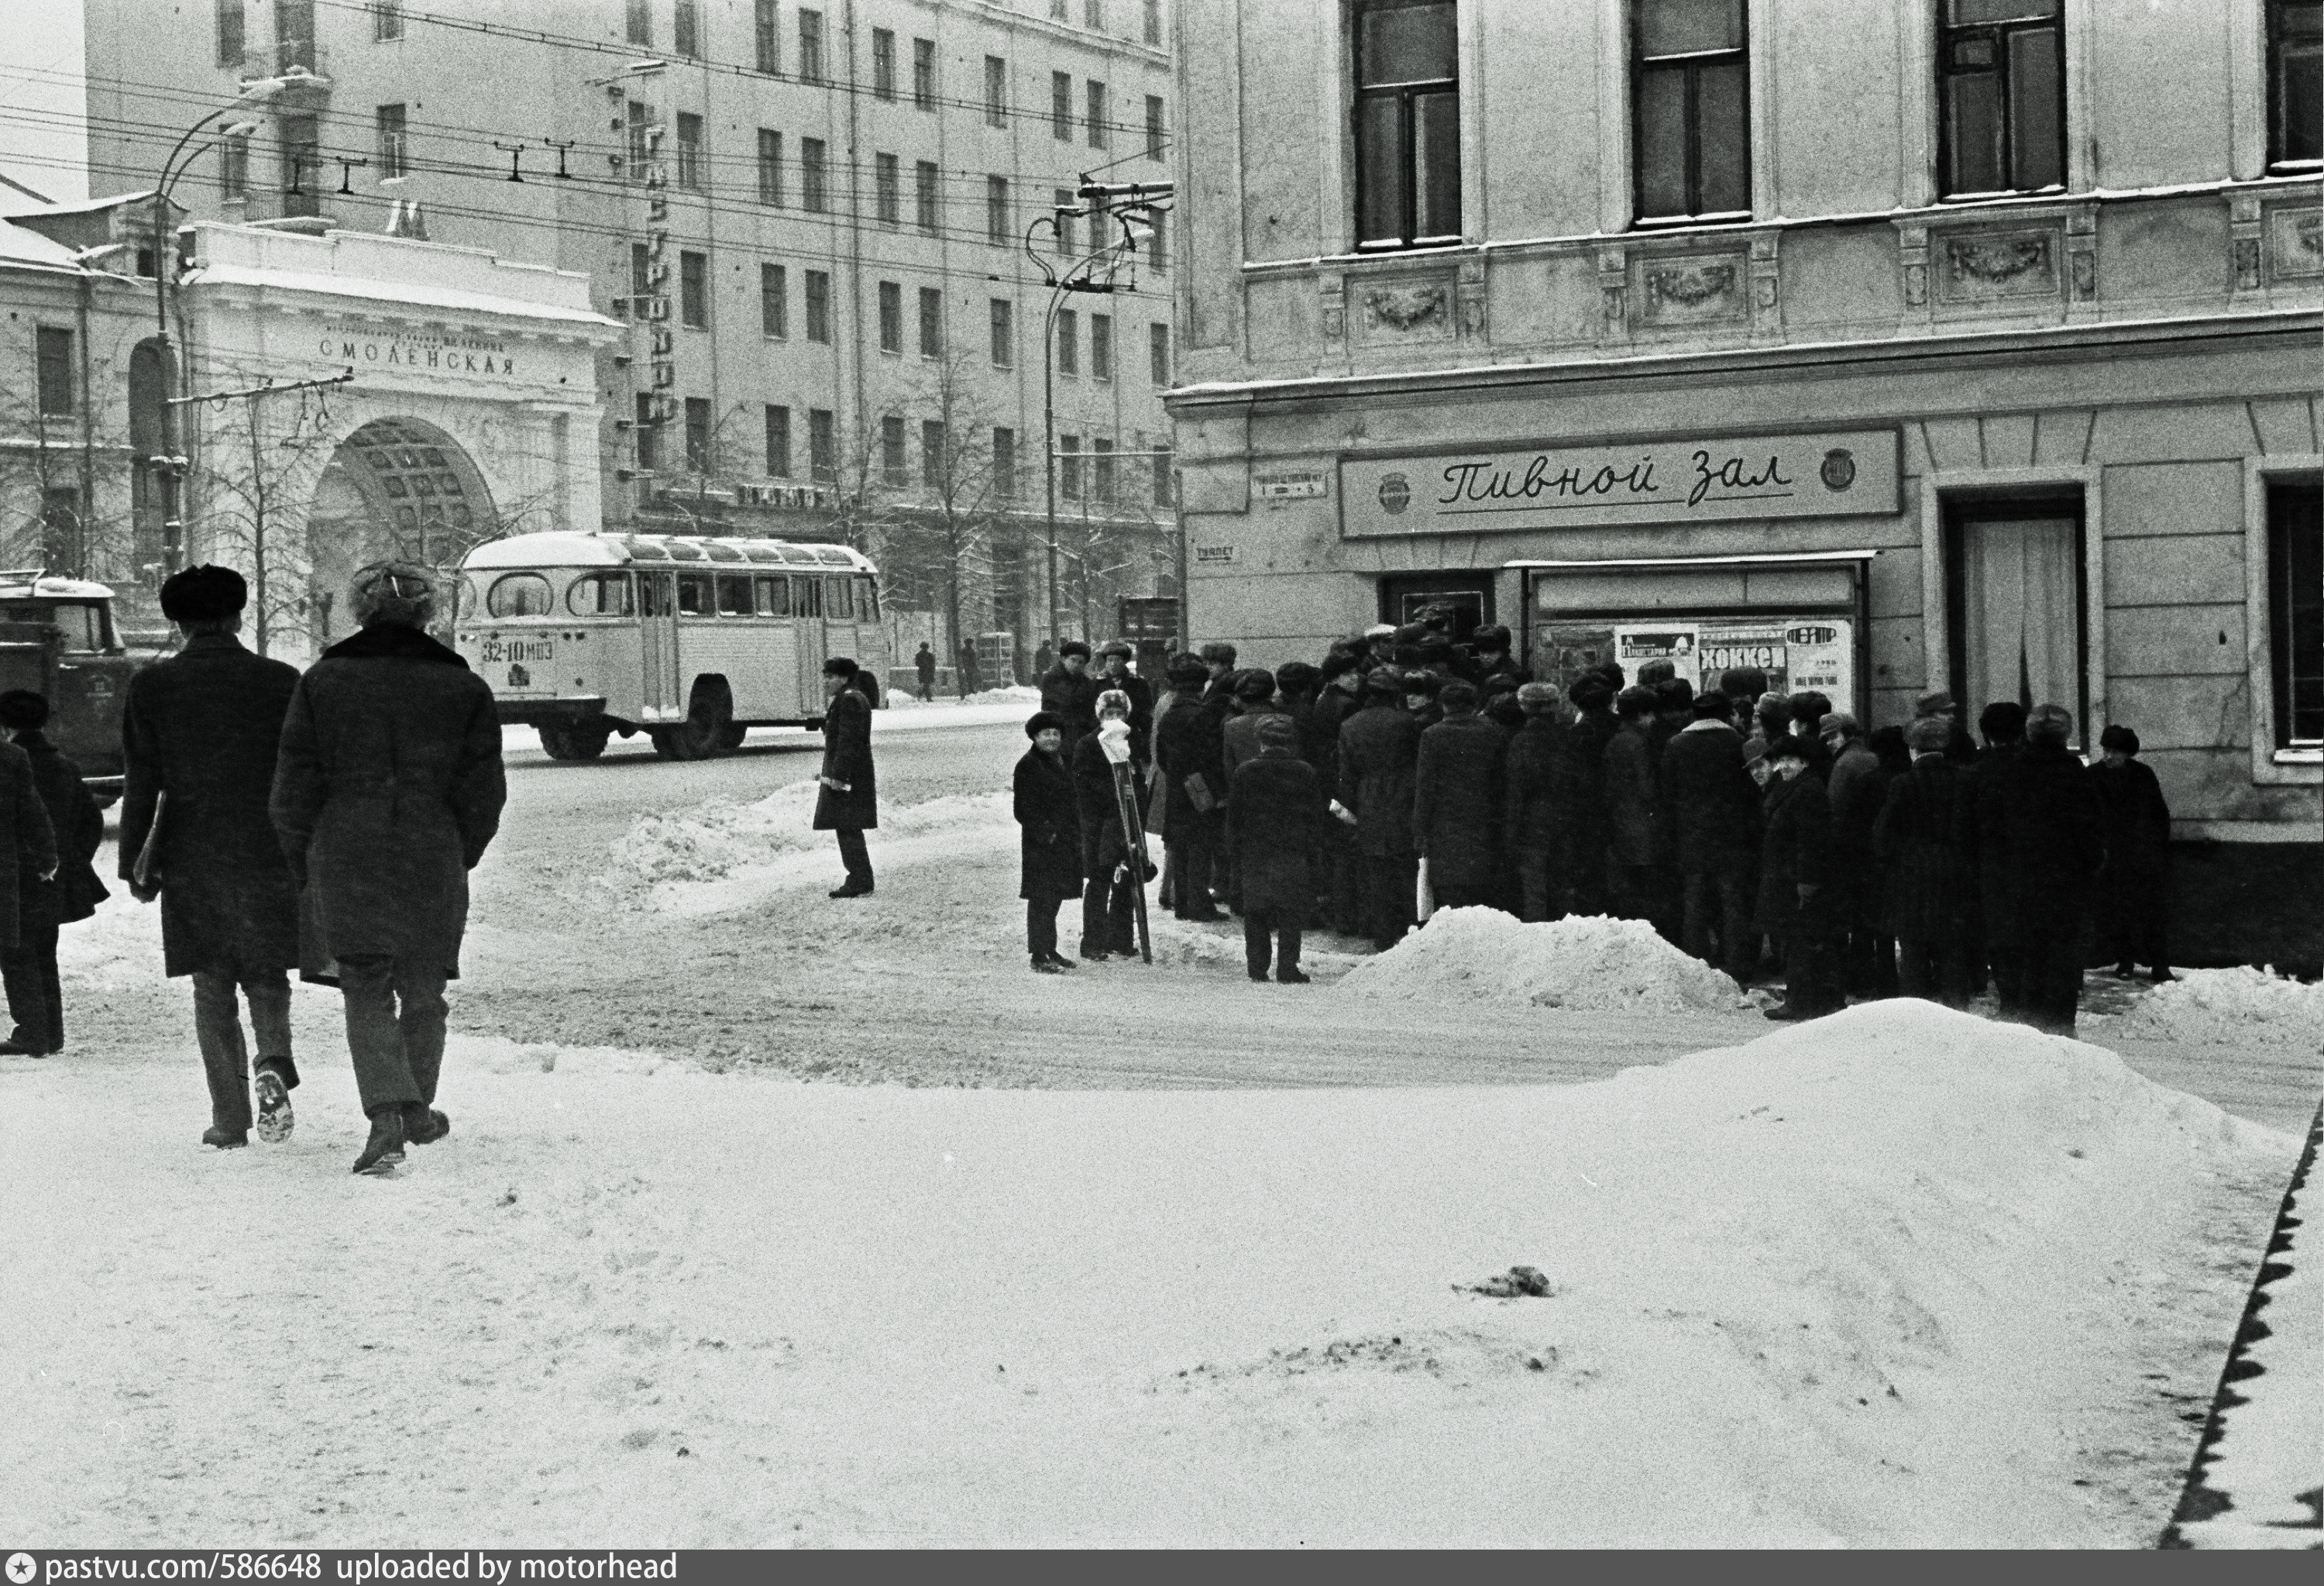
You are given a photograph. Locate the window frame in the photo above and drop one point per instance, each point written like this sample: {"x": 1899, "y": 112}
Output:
{"x": 1000, "y": 319}
{"x": 1066, "y": 357}
{"x": 693, "y": 290}
{"x": 2284, "y": 673}
{"x": 814, "y": 176}
{"x": 698, "y": 425}
{"x": 688, "y": 171}
{"x": 515, "y": 580}
{"x": 924, "y": 74}
{"x": 890, "y": 296}
{"x": 996, "y": 90}
{"x": 778, "y": 421}
{"x": 1690, "y": 65}
{"x": 1156, "y": 136}
{"x": 230, "y": 30}
{"x": 1061, "y": 107}
{"x": 932, "y": 468}
{"x": 997, "y": 228}
{"x": 930, "y": 334}
{"x": 1098, "y": 102}
{"x": 1948, "y": 34}
{"x": 813, "y": 67}
{"x": 884, "y": 64}
{"x": 2279, "y": 164}
{"x": 56, "y": 388}
{"x": 1004, "y": 461}
{"x": 927, "y": 202}
{"x": 1069, "y": 466}
{"x": 766, "y": 42}
{"x": 823, "y": 445}
{"x": 774, "y": 302}
{"x": 392, "y": 133}
{"x": 686, "y": 28}
{"x": 628, "y": 603}
{"x": 887, "y": 190}
{"x": 1158, "y": 353}
{"x": 815, "y": 298}
{"x": 1100, "y": 347}
{"x": 770, "y": 168}
{"x": 386, "y": 20}
{"x": 637, "y": 22}
{"x": 895, "y": 448}
{"x": 1407, "y": 179}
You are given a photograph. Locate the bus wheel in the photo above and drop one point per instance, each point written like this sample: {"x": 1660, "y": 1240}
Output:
{"x": 732, "y": 739}
{"x": 666, "y": 743}
{"x": 574, "y": 740}
{"x": 707, "y": 731}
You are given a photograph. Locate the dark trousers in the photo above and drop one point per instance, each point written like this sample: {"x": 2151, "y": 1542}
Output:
{"x": 1934, "y": 971}
{"x": 218, "y": 1031}
{"x": 1718, "y": 904}
{"x": 36, "y": 1001}
{"x": 1257, "y": 925}
{"x": 2052, "y": 967}
{"x": 1644, "y": 891}
{"x": 1109, "y": 913}
{"x": 854, "y": 855}
{"x": 2005, "y": 956}
{"x": 1196, "y": 848}
{"x": 1347, "y": 861}
{"x": 1581, "y": 869}
{"x": 1810, "y": 979}
{"x": 2133, "y": 917}
{"x": 395, "y": 1027}
{"x": 1542, "y": 893}
{"x": 1041, "y": 927}
{"x": 1390, "y": 883}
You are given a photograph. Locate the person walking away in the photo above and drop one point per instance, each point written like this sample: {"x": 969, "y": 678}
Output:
{"x": 1069, "y": 693}
{"x": 70, "y": 891}
{"x": 1714, "y": 818}
{"x": 1275, "y": 823}
{"x": 1634, "y": 821}
{"x": 2051, "y": 839}
{"x": 1580, "y": 794}
{"x": 388, "y": 789}
{"x": 1118, "y": 676}
{"x": 1528, "y": 803}
{"x": 2133, "y": 888}
{"x": 1380, "y": 753}
{"x": 1891, "y": 760}
{"x": 1981, "y": 810}
{"x": 1857, "y": 792}
{"x": 1049, "y": 842}
{"x": 849, "y": 804}
{"x": 1917, "y": 836}
{"x": 1109, "y": 904}
{"x": 1187, "y": 752}
{"x": 967, "y": 678}
{"x": 925, "y": 665}
{"x": 1794, "y": 872}
{"x": 1343, "y": 694}
{"x": 202, "y": 727}
{"x": 1456, "y": 802}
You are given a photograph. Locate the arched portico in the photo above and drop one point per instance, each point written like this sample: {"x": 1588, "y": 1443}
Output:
{"x": 394, "y": 487}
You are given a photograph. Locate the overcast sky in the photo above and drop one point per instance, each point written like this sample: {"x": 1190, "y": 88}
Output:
{"x": 41, "y": 141}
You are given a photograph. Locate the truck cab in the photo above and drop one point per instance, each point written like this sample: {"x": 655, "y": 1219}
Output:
{"x": 57, "y": 639}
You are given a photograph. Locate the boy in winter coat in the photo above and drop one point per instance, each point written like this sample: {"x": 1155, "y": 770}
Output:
{"x": 1049, "y": 843}
{"x": 71, "y": 893}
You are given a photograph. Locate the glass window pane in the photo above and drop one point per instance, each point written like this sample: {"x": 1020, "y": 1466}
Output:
{"x": 1681, "y": 27}
{"x": 2299, "y": 104}
{"x": 521, "y": 595}
{"x": 774, "y": 598}
{"x": 1662, "y": 142}
{"x": 2037, "y": 88}
{"x": 1960, "y": 11}
{"x": 1436, "y": 163}
{"x": 733, "y": 597}
{"x": 1379, "y": 198}
{"x": 694, "y": 594}
{"x": 1406, "y": 44}
{"x": 1724, "y": 132}
{"x": 1973, "y": 133}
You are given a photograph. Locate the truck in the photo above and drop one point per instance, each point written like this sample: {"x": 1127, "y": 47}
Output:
{"x": 57, "y": 639}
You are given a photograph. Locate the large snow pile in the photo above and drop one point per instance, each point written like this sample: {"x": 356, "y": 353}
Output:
{"x": 712, "y": 841}
{"x": 899, "y": 699}
{"x": 2240, "y": 1007}
{"x": 1014, "y": 694}
{"x": 1586, "y": 961}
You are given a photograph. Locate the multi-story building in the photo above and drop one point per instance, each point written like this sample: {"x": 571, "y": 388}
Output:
{"x": 1965, "y": 345}
{"x": 813, "y": 217}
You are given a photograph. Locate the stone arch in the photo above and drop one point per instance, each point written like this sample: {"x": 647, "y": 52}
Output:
{"x": 394, "y": 487}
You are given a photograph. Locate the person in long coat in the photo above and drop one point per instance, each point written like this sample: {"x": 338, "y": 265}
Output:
{"x": 1794, "y": 872}
{"x": 1380, "y": 751}
{"x": 1917, "y": 838}
{"x": 1980, "y": 810}
{"x": 1529, "y": 826}
{"x": 1049, "y": 838}
{"x": 388, "y": 789}
{"x": 1857, "y": 792}
{"x": 1109, "y": 899}
{"x": 1456, "y": 802}
{"x": 1341, "y": 694}
{"x": 1275, "y": 821}
{"x": 849, "y": 803}
{"x": 2135, "y": 885}
{"x": 1069, "y": 693}
{"x": 2051, "y": 838}
{"x": 1186, "y": 751}
{"x": 199, "y": 732}
{"x": 1634, "y": 817}
{"x": 69, "y": 892}
{"x": 1580, "y": 793}
{"x": 28, "y": 860}
{"x": 1713, "y": 811}
{"x": 1118, "y": 676}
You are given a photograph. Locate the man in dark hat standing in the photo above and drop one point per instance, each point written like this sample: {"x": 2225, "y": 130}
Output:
{"x": 198, "y": 737}
{"x": 1456, "y": 802}
{"x": 1117, "y": 656}
{"x": 1634, "y": 814}
{"x": 849, "y": 804}
{"x": 1275, "y": 812}
{"x": 1529, "y": 826}
{"x": 1579, "y": 796}
{"x": 1379, "y": 750}
{"x": 2135, "y": 885}
{"x": 2051, "y": 839}
{"x": 1714, "y": 820}
{"x": 1070, "y": 693}
{"x": 1794, "y": 870}
{"x": 1186, "y": 757}
{"x": 1049, "y": 838}
{"x": 1991, "y": 912}
{"x": 69, "y": 891}
{"x": 924, "y": 667}
{"x": 1917, "y": 836}
{"x": 1498, "y": 671}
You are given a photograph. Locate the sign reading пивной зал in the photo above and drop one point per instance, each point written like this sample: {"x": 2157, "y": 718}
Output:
{"x": 1841, "y": 474}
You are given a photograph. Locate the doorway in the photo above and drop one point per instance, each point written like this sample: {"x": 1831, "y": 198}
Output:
{"x": 1463, "y": 600}
{"x": 2016, "y": 604}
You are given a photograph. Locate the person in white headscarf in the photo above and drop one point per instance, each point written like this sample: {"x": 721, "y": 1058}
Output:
{"x": 1104, "y": 770}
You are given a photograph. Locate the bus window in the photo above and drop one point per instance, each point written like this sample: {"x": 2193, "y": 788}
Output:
{"x": 807, "y": 597}
{"x": 653, "y": 596}
{"x": 465, "y": 599}
{"x": 694, "y": 594}
{"x": 600, "y": 595}
{"x": 774, "y": 596}
{"x": 520, "y": 595}
{"x": 867, "y": 600}
{"x": 733, "y": 597}
{"x": 836, "y": 604}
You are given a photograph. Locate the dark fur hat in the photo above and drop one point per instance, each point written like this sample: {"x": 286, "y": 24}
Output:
{"x": 203, "y": 595}
{"x": 23, "y": 710}
{"x": 1040, "y": 721}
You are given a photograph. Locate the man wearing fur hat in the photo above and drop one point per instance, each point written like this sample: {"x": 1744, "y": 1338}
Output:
{"x": 1456, "y": 802}
{"x": 1917, "y": 837}
{"x": 198, "y": 736}
{"x": 848, "y": 806}
{"x": 1070, "y": 693}
{"x": 1794, "y": 872}
{"x": 387, "y": 790}
{"x": 1275, "y": 811}
{"x": 2134, "y": 886}
{"x": 69, "y": 891}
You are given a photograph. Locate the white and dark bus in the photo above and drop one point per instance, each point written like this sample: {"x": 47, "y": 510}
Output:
{"x": 690, "y": 640}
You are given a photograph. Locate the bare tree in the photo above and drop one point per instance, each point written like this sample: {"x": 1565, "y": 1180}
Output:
{"x": 256, "y": 472}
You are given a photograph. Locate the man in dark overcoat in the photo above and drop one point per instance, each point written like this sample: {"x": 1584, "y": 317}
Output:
{"x": 967, "y": 678}
{"x": 387, "y": 790}
{"x": 1109, "y": 866}
{"x": 924, "y": 667}
{"x": 1274, "y": 820}
{"x": 1634, "y": 820}
{"x": 202, "y": 727}
{"x": 1342, "y": 682}
{"x": 1498, "y": 671}
{"x": 1116, "y": 676}
{"x": 1580, "y": 793}
{"x": 1713, "y": 809}
{"x": 1856, "y": 791}
{"x": 2134, "y": 886}
{"x": 1379, "y": 750}
{"x": 1049, "y": 838}
{"x": 849, "y": 804}
{"x": 1187, "y": 752}
{"x": 1979, "y": 810}
{"x": 1069, "y": 693}
{"x": 1794, "y": 872}
{"x": 1528, "y": 806}
{"x": 1917, "y": 839}
{"x": 1456, "y": 802}
{"x": 2052, "y": 839}
{"x": 27, "y": 861}
{"x": 70, "y": 891}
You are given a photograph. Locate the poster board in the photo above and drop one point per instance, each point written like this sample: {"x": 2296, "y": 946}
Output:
{"x": 1798, "y": 653}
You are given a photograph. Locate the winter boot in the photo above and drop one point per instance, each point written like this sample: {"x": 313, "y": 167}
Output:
{"x": 224, "y": 1140}
{"x": 424, "y": 1126}
{"x": 275, "y": 1118}
{"x": 382, "y": 1153}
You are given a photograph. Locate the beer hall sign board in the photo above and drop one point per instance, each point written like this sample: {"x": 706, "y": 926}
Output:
{"x": 1849, "y": 473}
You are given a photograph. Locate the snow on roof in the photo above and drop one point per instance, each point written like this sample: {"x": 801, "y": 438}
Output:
{"x": 21, "y": 244}
{"x": 612, "y": 549}
{"x": 401, "y": 295}
{"x": 16, "y": 587}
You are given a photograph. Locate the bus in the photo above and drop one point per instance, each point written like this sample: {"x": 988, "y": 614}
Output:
{"x": 688, "y": 639}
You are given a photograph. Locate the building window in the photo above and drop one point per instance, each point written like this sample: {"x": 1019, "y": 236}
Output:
{"x": 932, "y": 452}
{"x": 1069, "y": 466}
{"x": 640, "y": 279}
{"x": 1165, "y": 466}
{"x": 2015, "y": 602}
{"x": 386, "y": 19}
{"x": 774, "y": 300}
{"x": 892, "y": 317}
{"x": 1407, "y": 124}
{"x": 815, "y": 183}
{"x": 818, "y": 306}
{"x": 778, "y": 441}
{"x": 1157, "y": 352}
{"x": 810, "y": 46}
{"x": 1154, "y": 22}
{"x": 637, "y": 21}
{"x": 1096, "y": 119}
{"x": 769, "y": 51}
{"x": 1004, "y": 462}
{"x": 686, "y": 27}
{"x": 1154, "y": 126}
{"x": 301, "y": 166}
{"x": 1690, "y": 117}
{"x": 1101, "y": 471}
{"x": 234, "y": 168}
{"x": 770, "y": 167}
{"x": 1069, "y": 342}
{"x": 231, "y": 32}
{"x": 887, "y": 190}
{"x": 1158, "y": 238}
{"x": 996, "y": 91}
{"x": 1061, "y": 199}
{"x": 996, "y": 211}
{"x": 54, "y": 374}
{"x": 1004, "y": 334}
{"x": 884, "y": 64}
{"x": 2001, "y": 80}
{"x": 393, "y": 153}
{"x": 1101, "y": 346}
{"x": 822, "y": 445}
{"x": 646, "y": 435}
{"x": 1094, "y": 15}
{"x": 931, "y": 322}
{"x": 294, "y": 34}
{"x": 923, "y": 195}
{"x": 697, "y": 434}
{"x": 893, "y": 467}
{"x": 2295, "y": 85}
{"x": 1061, "y": 107}
{"x": 924, "y": 74}
{"x": 640, "y": 125}
{"x": 60, "y": 539}
{"x": 694, "y": 290}
{"x": 2295, "y": 628}
{"x": 689, "y": 151}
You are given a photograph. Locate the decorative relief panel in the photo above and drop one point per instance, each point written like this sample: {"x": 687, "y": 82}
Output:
{"x": 2295, "y": 237}
{"x": 1705, "y": 289}
{"x": 1391, "y": 310}
{"x": 1984, "y": 266}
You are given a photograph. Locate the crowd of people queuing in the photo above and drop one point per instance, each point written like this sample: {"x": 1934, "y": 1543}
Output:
{"x": 1767, "y": 833}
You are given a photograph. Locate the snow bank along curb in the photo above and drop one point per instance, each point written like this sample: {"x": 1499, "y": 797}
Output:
{"x": 2258, "y": 1480}
{"x": 1585, "y": 961}
{"x": 2238, "y": 1007}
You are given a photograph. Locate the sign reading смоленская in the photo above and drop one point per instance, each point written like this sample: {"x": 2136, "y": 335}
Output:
{"x": 1839, "y": 474}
